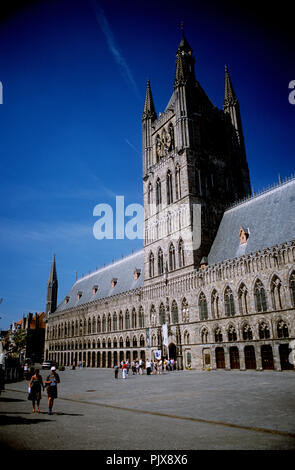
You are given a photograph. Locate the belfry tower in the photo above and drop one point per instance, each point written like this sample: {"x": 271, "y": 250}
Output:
{"x": 52, "y": 288}
{"x": 194, "y": 166}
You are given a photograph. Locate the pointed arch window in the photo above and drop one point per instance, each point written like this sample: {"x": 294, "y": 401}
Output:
{"x": 264, "y": 332}
{"x": 150, "y": 194}
{"x": 181, "y": 254}
{"x": 109, "y": 322}
{"x": 282, "y": 330}
{"x": 232, "y": 334}
{"x": 160, "y": 262}
{"x": 115, "y": 322}
{"x": 171, "y": 136}
{"x": 169, "y": 223}
{"x": 104, "y": 324}
{"x": 151, "y": 265}
{"x": 121, "y": 321}
{"x": 121, "y": 342}
{"x": 127, "y": 342}
{"x": 247, "y": 333}
{"x": 292, "y": 288}
{"x": 276, "y": 289}
{"x": 218, "y": 335}
{"x": 134, "y": 342}
{"x": 171, "y": 257}
{"x": 98, "y": 325}
{"x": 127, "y": 320}
{"x": 158, "y": 192}
{"x": 215, "y": 304}
{"x": 141, "y": 317}
{"x": 134, "y": 319}
{"x": 174, "y": 312}
{"x": 203, "y": 308}
{"x": 260, "y": 297}
{"x": 141, "y": 341}
{"x": 243, "y": 299}
{"x": 162, "y": 314}
{"x": 204, "y": 336}
{"x": 169, "y": 184}
{"x": 177, "y": 182}
{"x": 229, "y": 305}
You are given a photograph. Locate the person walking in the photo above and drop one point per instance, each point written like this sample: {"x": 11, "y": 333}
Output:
{"x": 148, "y": 367}
{"x": 124, "y": 370}
{"x": 51, "y": 384}
{"x": 35, "y": 385}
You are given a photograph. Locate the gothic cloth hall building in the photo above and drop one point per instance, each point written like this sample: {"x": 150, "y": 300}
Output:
{"x": 217, "y": 266}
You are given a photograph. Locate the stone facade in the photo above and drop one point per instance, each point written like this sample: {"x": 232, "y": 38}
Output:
{"x": 235, "y": 313}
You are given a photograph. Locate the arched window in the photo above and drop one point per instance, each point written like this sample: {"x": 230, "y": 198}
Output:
{"x": 134, "y": 342}
{"x": 109, "y": 343}
{"x": 127, "y": 342}
{"x": 174, "y": 312}
{"x": 104, "y": 324}
{"x": 204, "y": 336}
{"x": 275, "y": 288}
{"x": 171, "y": 136}
{"x": 215, "y": 304}
{"x": 115, "y": 343}
{"x": 229, "y": 305}
{"x": 120, "y": 321}
{"x": 180, "y": 253}
{"x": 98, "y": 325}
{"x": 158, "y": 192}
{"x": 151, "y": 265}
{"x": 203, "y": 309}
{"x": 93, "y": 325}
{"x": 169, "y": 187}
{"x": 171, "y": 257}
{"x": 260, "y": 297}
{"x": 115, "y": 322}
{"x": 109, "y": 322}
{"x": 243, "y": 299}
{"x": 160, "y": 262}
{"x": 127, "y": 320}
{"x": 162, "y": 314}
{"x": 121, "y": 343}
{"x": 282, "y": 330}
{"x": 186, "y": 337}
{"x": 218, "y": 335}
{"x": 169, "y": 223}
{"x": 154, "y": 340}
{"x": 232, "y": 334}
{"x": 292, "y": 288}
{"x": 177, "y": 182}
{"x": 264, "y": 332}
{"x": 134, "y": 319}
{"x": 142, "y": 341}
{"x": 141, "y": 317}
{"x": 184, "y": 310}
{"x": 150, "y": 195}
{"x": 247, "y": 333}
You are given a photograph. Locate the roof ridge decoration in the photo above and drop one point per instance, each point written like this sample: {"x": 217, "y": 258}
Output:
{"x": 268, "y": 189}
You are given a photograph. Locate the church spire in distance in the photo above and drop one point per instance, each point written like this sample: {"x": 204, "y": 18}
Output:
{"x": 230, "y": 98}
{"x": 52, "y": 287}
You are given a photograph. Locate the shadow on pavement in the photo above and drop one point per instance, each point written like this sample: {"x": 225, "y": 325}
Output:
{"x": 4, "y": 399}
{"x": 6, "y": 420}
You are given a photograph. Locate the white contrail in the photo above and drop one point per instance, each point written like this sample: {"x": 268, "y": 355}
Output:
{"x": 120, "y": 60}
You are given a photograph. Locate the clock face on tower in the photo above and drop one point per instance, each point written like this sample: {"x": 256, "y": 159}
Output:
{"x": 163, "y": 144}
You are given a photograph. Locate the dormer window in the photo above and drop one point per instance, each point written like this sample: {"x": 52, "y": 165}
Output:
{"x": 114, "y": 282}
{"x": 79, "y": 295}
{"x": 136, "y": 273}
{"x": 67, "y": 299}
{"x": 244, "y": 235}
{"x": 94, "y": 290}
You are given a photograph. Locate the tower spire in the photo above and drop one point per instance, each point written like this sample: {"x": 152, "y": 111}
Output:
{"x": 52, "y": 288}
{"x": 149, "y": 111}
{"x": 185, "y": 62}
{"x": 230, "y": 98}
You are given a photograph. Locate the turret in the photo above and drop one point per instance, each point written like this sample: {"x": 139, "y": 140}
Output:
{"x": 52, "y": 288}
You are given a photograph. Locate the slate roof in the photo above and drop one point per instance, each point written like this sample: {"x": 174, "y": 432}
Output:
{"x": 122, "y": 270}
{"x": 269, "y": 218}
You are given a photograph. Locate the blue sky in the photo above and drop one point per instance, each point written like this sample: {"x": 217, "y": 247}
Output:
{"x": 74, "y": 76}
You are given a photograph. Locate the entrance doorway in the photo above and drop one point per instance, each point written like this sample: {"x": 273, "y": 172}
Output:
{"x": 234, "y": 357}
{"x": 220, "y": 360}
{"x": 250, "y": 359}
{"x": 267, "y": 357}
{"x": 172, "y": 351}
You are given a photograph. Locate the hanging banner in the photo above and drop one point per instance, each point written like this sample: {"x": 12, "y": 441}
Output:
{"x": 157, "y": 354}
{"x": 165, "y": 334}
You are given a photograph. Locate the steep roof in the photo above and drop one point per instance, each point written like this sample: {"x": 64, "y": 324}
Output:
{"x": 122, "y": 271}
{"x": 269, "y": 218}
